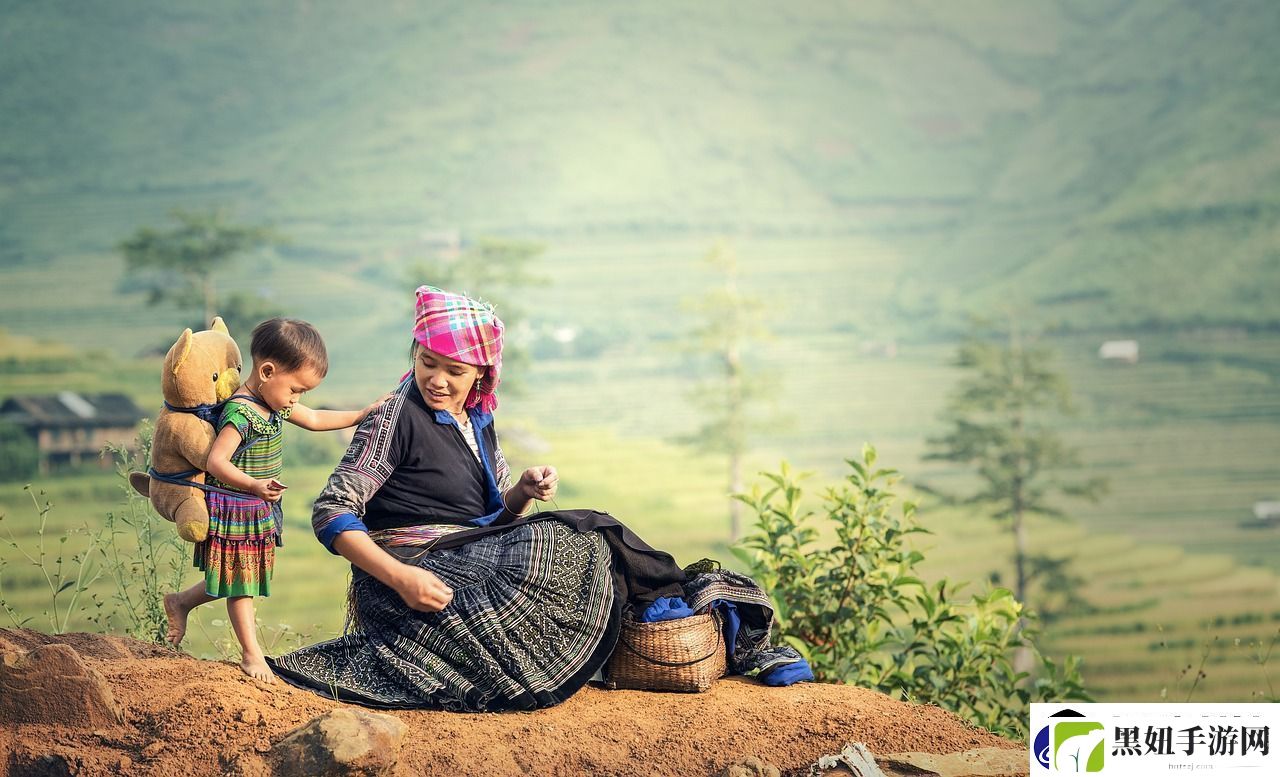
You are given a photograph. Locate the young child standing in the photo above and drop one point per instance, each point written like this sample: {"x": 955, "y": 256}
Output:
{"x": 238, "y": 557}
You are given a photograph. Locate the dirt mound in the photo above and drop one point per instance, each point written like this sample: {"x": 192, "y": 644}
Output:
{"x": 184, "y": 716}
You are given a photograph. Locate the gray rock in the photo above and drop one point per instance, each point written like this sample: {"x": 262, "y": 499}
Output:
{"x": 854, "y": 759}
{"x": 52, "y": 684}
{"x": 340, "y": 742}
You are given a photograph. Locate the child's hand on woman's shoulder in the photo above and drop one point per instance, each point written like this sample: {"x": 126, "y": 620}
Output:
{"x": 374, "y": 405}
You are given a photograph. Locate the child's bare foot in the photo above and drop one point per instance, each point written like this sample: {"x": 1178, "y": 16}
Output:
{"x": 177, "y": 615}
{"x": 256, "y": 667}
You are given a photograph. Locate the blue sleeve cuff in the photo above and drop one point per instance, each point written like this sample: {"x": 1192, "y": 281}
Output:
{"x": 485, "y": 520}
{"x": 339, "y": 524}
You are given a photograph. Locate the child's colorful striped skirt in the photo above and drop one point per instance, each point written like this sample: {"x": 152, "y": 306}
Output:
{"x": 238, "y": 557}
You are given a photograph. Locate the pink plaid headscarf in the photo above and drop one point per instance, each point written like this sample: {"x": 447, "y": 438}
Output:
{"x": 464, "y": 330}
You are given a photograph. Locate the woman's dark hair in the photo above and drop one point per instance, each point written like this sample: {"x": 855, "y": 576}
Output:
{"x": 291, "y": 343}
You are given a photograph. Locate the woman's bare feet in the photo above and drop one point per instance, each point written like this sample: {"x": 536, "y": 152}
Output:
{"x": 256, "y": 667}
{"x": 177, "y": 615}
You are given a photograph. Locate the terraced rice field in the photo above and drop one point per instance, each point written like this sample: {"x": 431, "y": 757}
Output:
{"x": 1155, "y": 609}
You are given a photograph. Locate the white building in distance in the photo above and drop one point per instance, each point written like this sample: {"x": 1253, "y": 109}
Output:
{"x": 1119, "y": 351}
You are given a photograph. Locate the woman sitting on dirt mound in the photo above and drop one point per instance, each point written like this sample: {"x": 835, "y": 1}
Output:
{"x": 458, "y": 601}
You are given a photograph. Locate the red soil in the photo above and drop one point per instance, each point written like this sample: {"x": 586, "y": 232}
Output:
{"x": 185, "y": 716}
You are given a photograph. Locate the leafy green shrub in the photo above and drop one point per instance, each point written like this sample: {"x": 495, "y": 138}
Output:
{"x": 859, "y": 614}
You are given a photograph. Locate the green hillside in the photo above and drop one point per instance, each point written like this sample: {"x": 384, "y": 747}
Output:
{"x": 1114, "y": 162}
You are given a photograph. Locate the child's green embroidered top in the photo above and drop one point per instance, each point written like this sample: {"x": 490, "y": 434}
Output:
{"x": 238, "y": 558}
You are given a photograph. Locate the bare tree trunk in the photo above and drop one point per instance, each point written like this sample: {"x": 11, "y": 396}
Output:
{"x": 737, "y": 443}
{"x": 1022, "y": 661}
{"x": 735, "y": 487}
{"x": 1019, "y": 546}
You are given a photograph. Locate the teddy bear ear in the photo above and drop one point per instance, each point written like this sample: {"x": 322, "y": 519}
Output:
{"x": 182, "y": 348}
{"x": 219, "y": 326}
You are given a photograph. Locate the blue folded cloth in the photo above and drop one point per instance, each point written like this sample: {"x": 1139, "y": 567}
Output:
{"x": 666, "y": 608}
{"x": 787, "y": 674}
{"x": 729, "y": 616}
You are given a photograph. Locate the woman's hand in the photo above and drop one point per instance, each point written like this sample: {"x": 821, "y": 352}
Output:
{"x": 538, "y": 483}
{"x": 267, "y": 489}
{"x": 422, "y": 590}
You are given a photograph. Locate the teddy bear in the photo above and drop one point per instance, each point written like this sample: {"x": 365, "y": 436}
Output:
{"x": 201, "y": 370}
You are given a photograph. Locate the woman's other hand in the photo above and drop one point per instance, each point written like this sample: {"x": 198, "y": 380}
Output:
{"x": 539, "y": 483}
{"x": 422, "y": 590}
{"x": 266, "y": 489}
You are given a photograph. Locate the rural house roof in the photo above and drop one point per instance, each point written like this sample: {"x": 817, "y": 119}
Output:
{"x": 69, "y": 409}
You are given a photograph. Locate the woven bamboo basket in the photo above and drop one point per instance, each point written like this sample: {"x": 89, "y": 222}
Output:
{"x": 685, "y": 654}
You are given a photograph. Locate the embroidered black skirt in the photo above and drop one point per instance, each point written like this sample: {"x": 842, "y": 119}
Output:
{"x": 534, "y": 615}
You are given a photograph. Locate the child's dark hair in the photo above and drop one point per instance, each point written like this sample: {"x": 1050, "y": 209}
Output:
{"x": 291, "y": 344}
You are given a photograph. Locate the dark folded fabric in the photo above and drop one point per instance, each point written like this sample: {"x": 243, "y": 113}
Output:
{"x": 749, "y": 648}
{"x": 643, "y": 573}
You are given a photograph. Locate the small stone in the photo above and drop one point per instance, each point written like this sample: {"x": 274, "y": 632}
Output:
{"x": 124, "y": 764}
{"x": 152, "y": 750}
{"x": 262, "y": 745}
{"x": 341, "y": 742}
{"x": 250, "y": 716}
{"x": 53, "y": 685}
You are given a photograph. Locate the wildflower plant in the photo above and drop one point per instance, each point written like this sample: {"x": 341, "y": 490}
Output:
{"x": 66, "y": 570}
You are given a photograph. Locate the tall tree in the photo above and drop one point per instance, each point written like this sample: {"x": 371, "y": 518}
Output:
{"x": 181, "y": 264}
{"x": 729, "y": 322}
{"x": 999, "y": 425}
{"x": 497, "y": 271}
{"x": 19, "y": 454}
